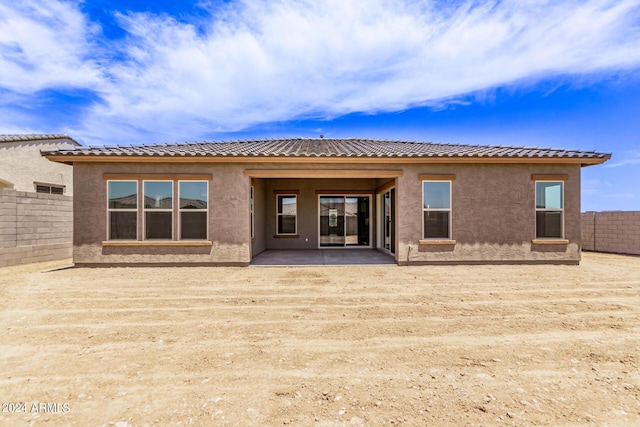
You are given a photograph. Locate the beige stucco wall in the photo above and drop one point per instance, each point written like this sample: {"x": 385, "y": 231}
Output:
{"x": 229, "y": 218}
{"x": 21, "y": 164}
{"x": 493, "y": 213}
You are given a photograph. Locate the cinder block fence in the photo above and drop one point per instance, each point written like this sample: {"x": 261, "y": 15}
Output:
{"x": 614, "y": 231}
{"x": 34, "y": 227}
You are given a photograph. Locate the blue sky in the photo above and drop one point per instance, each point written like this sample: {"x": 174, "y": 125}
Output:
{"x": 561, "y": 73}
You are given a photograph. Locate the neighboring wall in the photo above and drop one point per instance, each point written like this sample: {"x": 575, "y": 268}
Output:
{"x": 34, "y": 227}
{"x": 617, "y": 232}
{"x": 21, "y": 165}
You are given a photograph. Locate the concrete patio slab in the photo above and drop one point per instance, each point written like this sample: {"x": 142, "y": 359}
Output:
{"x": 274, "y": 257}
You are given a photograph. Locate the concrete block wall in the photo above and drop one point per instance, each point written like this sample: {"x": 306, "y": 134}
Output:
{"x": 613, "y": 231}
{"x": 34, "y": 227}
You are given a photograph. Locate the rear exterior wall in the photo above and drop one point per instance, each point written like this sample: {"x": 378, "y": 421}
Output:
{"x": 228, "y": 221}
{"x": 493, "y": 213}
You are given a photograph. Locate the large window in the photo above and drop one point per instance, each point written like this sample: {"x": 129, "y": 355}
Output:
{"x": 163, "y": 216}
{"x": 286, "y": 213}
{"x": 549, "y": 209}
{"x": 193, "y": 209}
{"x": 123, "y": 209}
{"x": 436, "y": 209}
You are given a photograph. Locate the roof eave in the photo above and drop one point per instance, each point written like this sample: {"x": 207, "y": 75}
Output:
{"x": 596, "y": 160}
{"x": 88, "y": 158}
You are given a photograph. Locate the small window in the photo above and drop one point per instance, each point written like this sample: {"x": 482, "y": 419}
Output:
{"x": 158, "y": 210}
{"x": 49, "y": 189}
{"x": 549, "y": 210}
{"x": 436, "y": 209}
{"x": 193, "y": 209}
{"x": 286, "y": 214}
{"x": 123, "y": 210}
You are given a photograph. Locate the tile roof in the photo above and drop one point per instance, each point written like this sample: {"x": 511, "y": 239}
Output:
{"x": 324, "y": 147}
{"x": 34, "y": 137}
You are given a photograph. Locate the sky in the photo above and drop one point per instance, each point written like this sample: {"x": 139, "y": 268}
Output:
{"x": 546, "y": 73}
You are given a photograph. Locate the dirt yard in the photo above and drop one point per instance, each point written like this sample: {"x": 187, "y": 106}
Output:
{"x": 322, "y": 346}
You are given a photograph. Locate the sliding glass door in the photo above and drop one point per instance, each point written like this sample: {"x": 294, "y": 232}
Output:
{"x": 332, "y": 221}
{"x": 344, "y": 221}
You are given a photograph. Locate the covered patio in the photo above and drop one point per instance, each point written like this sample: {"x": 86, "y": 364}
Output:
{"x": 298, "y": 257}
{"x": 319, "y": 210}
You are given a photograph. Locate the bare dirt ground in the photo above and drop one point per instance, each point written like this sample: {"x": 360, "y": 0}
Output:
{"x": 322, "y": 346}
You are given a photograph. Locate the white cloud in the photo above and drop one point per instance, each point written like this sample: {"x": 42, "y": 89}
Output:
{"x": 629, "y": 157}
{"x": 45, "y": 45}
{"x": 261, "y": 61}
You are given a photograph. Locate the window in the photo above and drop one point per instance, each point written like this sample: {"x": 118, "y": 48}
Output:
{"x": 436, "y": 209}
{"x": 193, "y": 209}
{"x": 549, "y": 209}
{"x": 163, "y": 216}
{"x": 158, "y": 210}
{"x": 286, "y": 213}
{"x": 123, "y": 210}
{"x": 49, "y": 188}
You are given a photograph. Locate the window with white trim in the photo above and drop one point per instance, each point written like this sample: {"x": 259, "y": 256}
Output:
{"x": 122, "y": 207}
{"x": 549, "y": 209}
{"x": 193, "y": 209}
{"x": 158, "y": 210}
{"x": 436, "y": 209}
{"x": 164, "y": 217}
{"x": 286, "y": 213}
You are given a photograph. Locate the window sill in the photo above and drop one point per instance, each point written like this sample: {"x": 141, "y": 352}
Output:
{"x": 139, "y": 243}
{"x": 437, "y": 242}
{"x": 286, "y": 236}
{"x": 549, "y": 242}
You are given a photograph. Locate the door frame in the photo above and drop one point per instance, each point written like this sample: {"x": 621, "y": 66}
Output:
{"x": 380, "y": 218}
{"x": 345, "y": 195}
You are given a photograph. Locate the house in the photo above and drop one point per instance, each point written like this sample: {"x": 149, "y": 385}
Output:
{"x": 223, "y": 203}
{"x": 23, "y": 169}
{"x": 36, "y": 207}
